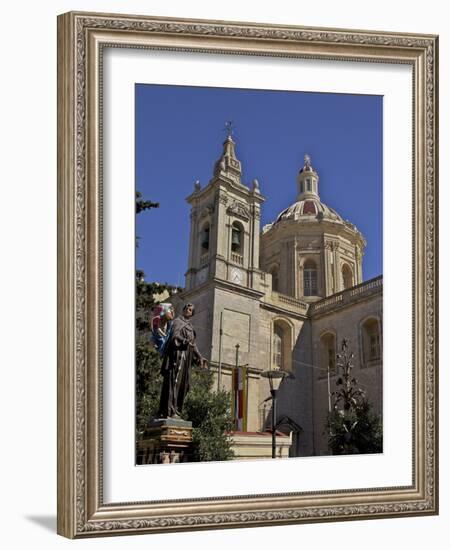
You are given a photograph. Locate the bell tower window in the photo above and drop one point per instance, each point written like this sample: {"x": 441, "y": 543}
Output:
{"x": 236, "y": 238}
{"x": 204, "y": 238}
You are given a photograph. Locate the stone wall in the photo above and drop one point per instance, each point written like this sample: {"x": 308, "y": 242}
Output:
{"x": 344, "y": 317}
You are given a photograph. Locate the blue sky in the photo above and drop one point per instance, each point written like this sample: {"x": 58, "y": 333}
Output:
{"x": 179, "y": 136}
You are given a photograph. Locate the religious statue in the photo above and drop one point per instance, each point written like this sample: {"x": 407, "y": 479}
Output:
{"x": 179, "y": 352}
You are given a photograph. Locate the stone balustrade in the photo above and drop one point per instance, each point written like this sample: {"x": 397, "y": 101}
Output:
{"x": 347, "y": 296}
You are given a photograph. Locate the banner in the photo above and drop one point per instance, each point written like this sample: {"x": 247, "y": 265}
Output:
{"x": 240, "y": 392}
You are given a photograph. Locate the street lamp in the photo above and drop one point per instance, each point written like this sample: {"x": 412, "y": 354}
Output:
{"x": 275, "y": 377}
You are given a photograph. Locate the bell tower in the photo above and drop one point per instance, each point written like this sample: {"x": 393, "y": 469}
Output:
{"x": 225, "y": 225}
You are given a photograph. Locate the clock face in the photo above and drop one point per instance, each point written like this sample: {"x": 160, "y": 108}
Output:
{"x": 237, "y": 276}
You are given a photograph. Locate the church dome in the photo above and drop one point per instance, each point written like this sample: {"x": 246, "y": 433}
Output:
{"x": 309, "y": 209}
{"x": 310, "y": 251}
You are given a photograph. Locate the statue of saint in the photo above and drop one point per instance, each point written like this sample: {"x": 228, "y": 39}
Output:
{"x": 179, "y": 353}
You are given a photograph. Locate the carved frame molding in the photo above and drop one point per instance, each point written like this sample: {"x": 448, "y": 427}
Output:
{"x": 81, "y": 37}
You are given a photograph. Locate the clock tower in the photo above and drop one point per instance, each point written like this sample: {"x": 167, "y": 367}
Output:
{"x": 225, "y": 226}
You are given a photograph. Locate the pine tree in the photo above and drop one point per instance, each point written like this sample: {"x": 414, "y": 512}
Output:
{"x": 352, "y": 426}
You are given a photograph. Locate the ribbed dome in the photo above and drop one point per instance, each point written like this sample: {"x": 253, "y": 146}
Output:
{"x": 308, "y": 210}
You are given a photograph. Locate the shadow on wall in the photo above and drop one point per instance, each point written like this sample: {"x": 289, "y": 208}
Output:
{"x": 294, "y": 400}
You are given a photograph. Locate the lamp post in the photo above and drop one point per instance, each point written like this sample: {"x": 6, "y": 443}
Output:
{"x": 275, "y": 377}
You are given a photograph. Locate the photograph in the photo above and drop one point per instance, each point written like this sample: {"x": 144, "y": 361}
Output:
{"x": 259, "y": 274}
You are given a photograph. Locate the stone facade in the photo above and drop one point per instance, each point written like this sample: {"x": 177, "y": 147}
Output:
{"x": 281, "y": 298}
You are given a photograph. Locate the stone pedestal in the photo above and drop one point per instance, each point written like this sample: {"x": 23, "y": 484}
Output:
{"x": 256, "y": 445}
{"x": 166, "y": 440}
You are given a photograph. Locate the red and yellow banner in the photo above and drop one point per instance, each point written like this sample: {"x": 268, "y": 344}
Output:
{"x": 240, "y": 393}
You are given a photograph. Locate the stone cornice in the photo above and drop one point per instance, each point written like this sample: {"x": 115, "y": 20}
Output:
{"x": 225, "y": 285}
{"x": 292, "y": 228}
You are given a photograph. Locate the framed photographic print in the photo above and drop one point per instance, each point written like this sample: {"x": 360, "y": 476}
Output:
{"x": 247, "y": 274}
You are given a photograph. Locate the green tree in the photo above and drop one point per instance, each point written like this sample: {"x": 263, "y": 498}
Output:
{"x": 142, "y": 204}
{"x": 210, "y": 414}
{"x": 148, "y": 362}
{"x": 352, "y": 426}
{"x": 148, "y": 384}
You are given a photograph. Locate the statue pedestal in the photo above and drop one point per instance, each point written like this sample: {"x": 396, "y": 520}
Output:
{"x": 165, "y": 441}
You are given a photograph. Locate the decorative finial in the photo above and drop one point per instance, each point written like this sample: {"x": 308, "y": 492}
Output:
{"x": 255, "y": 186}
{"x": 229, "y": 127}
{"x": 307, "y": 161}
{"x": 197, "y": 185}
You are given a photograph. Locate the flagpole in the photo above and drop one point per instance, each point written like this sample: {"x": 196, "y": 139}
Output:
{"x": 219, "y": 373}
{"x": 237, "y": 387}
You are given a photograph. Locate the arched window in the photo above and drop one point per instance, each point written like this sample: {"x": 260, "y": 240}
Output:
{"x": 204, "y": 238}
{"x": 274, "y": 273}
{"x": 327, "y": 353}
{"x": 371, "y": 341}
{"x": 282, "y": 345}
{"x": 277, "y": 346}
{"x": 310, "y": 278}
{"x": 237, "y": 234}
{"x": 347, "y": 276}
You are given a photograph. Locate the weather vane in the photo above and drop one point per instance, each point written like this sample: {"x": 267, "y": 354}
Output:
{"x": 229, "y": 127}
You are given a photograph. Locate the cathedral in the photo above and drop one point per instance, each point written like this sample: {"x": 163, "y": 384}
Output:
{"x": 280, "y": 297}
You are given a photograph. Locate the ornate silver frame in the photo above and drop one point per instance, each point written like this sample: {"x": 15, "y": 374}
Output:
{"x": 81, "y": 510}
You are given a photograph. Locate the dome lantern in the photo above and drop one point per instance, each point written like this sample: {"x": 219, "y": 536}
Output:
{"x": 308, "y": 181}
